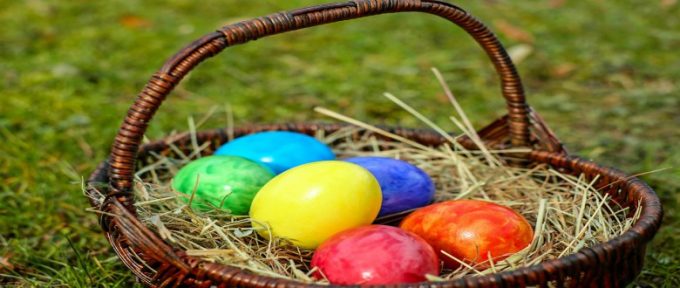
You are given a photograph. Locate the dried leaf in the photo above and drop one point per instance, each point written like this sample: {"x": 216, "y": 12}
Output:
{"x": 668, "y": 3}
{"x": 556, "y": 3}
{"x": 519, "y": 53}
{"x": 563, "y": 69}
{"x": 133, "y": 21}
{"x": 513, "y": 32}
{"x": 5, "y": 265}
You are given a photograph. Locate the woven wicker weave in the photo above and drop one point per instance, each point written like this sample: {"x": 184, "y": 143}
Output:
{"x": 156, "y": 263}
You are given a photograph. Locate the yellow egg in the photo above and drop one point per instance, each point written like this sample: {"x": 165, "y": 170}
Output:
{"x": 310, "y": 203}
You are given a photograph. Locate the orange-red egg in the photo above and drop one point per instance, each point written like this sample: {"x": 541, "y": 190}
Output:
{"x": 470, "y": 230}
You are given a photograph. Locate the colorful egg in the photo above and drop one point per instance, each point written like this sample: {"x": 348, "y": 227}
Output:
{"x": 309, "y": 203}
{"x": 375, "y": 254}
{"x": 470, "y": 230}
{"x": 404, "y": 186}
{"x": 279, "y": 150}
{"x": 225, "y": 182}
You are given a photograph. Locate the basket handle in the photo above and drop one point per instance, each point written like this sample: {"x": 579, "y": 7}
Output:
{"x": 126, "y": 143}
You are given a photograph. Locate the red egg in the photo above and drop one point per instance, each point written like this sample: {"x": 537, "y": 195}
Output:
{"x": 375, "y": 254}
{"x": 470, "y": 230}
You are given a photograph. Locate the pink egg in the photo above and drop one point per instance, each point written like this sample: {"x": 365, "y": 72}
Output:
{"x": 375, "y": 254}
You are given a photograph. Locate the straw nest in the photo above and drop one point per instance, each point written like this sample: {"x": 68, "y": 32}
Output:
{"x": 566, "y": 212}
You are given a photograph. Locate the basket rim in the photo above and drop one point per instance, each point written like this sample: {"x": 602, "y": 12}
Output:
{"x": 586, "y": 260}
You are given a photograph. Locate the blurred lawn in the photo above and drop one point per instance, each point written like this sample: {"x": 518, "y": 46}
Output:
{"x": 604, "y": 74}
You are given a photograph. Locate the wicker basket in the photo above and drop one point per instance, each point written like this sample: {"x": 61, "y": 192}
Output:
{"x": 156, "y": 263}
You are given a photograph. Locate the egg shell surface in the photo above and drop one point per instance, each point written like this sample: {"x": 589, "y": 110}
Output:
{"x": 226, "y": 182}
{"x": 470, "y": 230}
{"x": 279, "y": 150}
{"x": 404, "y": 186}
{"x": 375, "y": 254}
{"x": 310, "y": 203}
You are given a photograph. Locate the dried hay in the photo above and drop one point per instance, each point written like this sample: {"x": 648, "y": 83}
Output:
{"x": 567, "y": 212}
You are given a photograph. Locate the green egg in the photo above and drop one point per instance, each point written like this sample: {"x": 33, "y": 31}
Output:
{"x": 226, "y": 182}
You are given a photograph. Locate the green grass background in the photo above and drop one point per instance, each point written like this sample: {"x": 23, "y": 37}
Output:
{"x": 604, "y": 74}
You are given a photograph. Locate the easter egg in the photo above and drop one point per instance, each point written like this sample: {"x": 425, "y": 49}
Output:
{"x": 225, "y": 182}
{"x": 470, "y": 230}
{"x": 309, "y": 203}
{"x": 404, "y": 186}
{"x": 375, "y": 254}
{"x": 279, "y": 150}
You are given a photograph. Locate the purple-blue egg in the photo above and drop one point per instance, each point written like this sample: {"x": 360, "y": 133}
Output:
{"x": 278, "y": 150}
{"x": 404, "y": 186}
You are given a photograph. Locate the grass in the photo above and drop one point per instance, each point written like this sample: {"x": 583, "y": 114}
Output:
{"x": 604, "y": 74}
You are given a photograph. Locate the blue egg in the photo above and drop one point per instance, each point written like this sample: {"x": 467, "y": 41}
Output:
{"x": 278, "y": 150}
{"x": 404, "y": 186}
